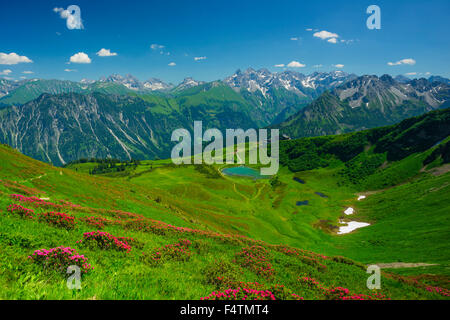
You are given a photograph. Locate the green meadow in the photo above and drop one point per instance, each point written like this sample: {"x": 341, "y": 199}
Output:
{"x": 293, "y": 218}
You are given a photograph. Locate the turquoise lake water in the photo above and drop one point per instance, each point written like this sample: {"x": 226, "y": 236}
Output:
{"x": 243, "y": 172}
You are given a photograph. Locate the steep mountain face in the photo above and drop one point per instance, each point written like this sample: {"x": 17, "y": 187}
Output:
{"x": 289, "y": 90}
{"x": 134, "y": 84}
{"x": 63, "y": 128}
{"x": 128, "y": 81}
{"x": 305, "y": 86}
{"x": 7, "y": 86}
{"x": 154, "y": 84}
{"x": 439, "y": 79}
{"x": 402, "y": 79}
{"x": 187, "y": 84}
{"x": 366, "y": 102}
{"x": 32, "y": 89}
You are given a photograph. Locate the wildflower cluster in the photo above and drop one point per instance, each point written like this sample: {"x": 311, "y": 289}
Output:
{"x": 131, "y": 242}
{"x": 58, "y": 219}
{"x": 441, "y": 291}
{"x": 37, "y": 202}
{"x": 240, "y": 294}
{"x": 16, "y": 187}
{"x": 255, "y": 258}
{"x": 21, "y": 211}
{"x": 307, "y": 257}
{"x": 98, "y": 222}
{"x": 282, "y": 293}
{"x": 279, "y": 292}
{"x": 339, "y": 293}
{"x": 104, "y": 240}
{"x": 178, "y": 251}
{"x": 60, "y": 259}
{"x": 414, "y": 281}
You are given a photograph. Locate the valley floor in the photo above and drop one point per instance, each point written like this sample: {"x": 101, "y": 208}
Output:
{"x": 225, "y": 220}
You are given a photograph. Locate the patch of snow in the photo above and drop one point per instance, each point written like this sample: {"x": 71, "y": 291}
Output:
{"x": 351, "y": 226}
{"x": 349, "y": 211}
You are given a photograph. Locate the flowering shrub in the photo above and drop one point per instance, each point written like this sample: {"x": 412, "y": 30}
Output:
{"x": 339, "y": 293}
{"x": 21, "y": 211}
{"x": 178, "y": 251}
{"x": 58, "y": 219}
{"x": 131, "y": 242}
{"x": 441, "y": 291}
{"x": 97, "y": 222}
{"x": 37, "y": 202}
{"x": 60, "y": 259}
{"x": 104, "y": 240}
{"x": 16, "y": 187}
{"x": 275, "y": 292}
{"x": 240, "y": 294}
{"x": 414, "y": 281}
{"x": 223, "y": 274}
{"x": 304, "y": 256}
{"x": 256, "y": 259}
{"x": 280, "y": 292}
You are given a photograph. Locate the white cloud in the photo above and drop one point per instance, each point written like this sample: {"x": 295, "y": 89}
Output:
{"x": 340, "y": 66}
{"x": 411, "y": 73}
{"x": 13, "y": 58}
{"x": 332, "y": 40}
{"x": 325, "y": 35}
{"x": 106, "y": 53}
{"x": 294, "y": 38}
{"x": 5, "y": 72}
{"x": 172, "y": 64}
{"x": 156, "y": 46}
{"x": 27, "y": 72}
{"x": 73, "y": 20}
{"x": 309, "y": 29}
{"x": 317, "y": 66}
{"x": 80, "y": 57}
{"x": 70, "y": 70}
{"x": 199, "y": 58}
{"x": 403, "y": 61}
{"x": 279, "y": 65}
{"x": 296, "y": 64}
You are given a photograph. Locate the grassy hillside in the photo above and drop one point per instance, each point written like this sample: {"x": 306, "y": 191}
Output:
{"x": 165, "y": 223}
{"x": 226, "y": 218}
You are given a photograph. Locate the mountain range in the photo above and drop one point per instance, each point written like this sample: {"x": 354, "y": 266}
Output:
{"x": 366, "y": 102}
{"x": 121, "y": 117}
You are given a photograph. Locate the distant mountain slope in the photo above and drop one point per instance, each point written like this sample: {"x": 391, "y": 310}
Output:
{"x": 32, "y": 89}
{"x": 366, "y": 102}
{"x": 439, "y": 79}
{"x": 6, "y": 86}
{"x": 130, "y": 82}
{"x": 263, "y": 80}
{"x": 62, "y": 128}
{"x": 371, "y": 156}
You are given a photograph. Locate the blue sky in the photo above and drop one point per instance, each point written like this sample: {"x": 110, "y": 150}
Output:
{"x": 229, "y": 34}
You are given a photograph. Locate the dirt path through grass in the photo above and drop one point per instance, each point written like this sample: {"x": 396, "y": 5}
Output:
{"x": 35, "y": 178}
{"x": 395, "y": 265}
